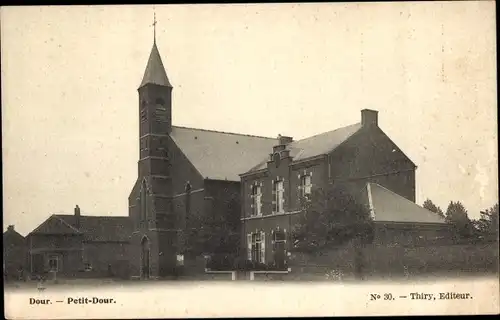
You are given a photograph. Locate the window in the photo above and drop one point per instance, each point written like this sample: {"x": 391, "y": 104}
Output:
{"x": 161, "y": 114}
{"x": 87, "y": 267}
{"x": 161, "y": 111}
{"x": 279, "y": 236}
{"x": 144, "y": 114}
{"x": 257, "y": 247}
{"x": 180, "y": 259}
{"x": 144, "y": 203}
{"x": 277, "y": 159}
{"x": 279, "y": 248}
{"x": 256, "y": 201}
{"x": 278, "y": 192}
{"x": 54, "y": 263}
{"x": 305, "y": 185}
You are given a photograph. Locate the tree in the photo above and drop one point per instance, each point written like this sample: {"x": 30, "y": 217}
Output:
{"x": 429, "y": 205}
{"x": 457, "y": 215}
{"x": 487, "y": 224}
{"x": 331, "y": 216}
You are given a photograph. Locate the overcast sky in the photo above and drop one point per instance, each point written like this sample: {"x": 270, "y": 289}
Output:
{"x": 69, "y": 99}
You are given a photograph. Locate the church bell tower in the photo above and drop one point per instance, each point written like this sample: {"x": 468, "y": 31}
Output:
{"x": 150, "y": 202}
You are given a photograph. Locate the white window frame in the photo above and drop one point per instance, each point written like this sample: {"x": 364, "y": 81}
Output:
{"x": 278, "y": 196}
{"x": 256, "y": 205}
{"x": 305, "y": 185}
{"x": 256, "y": 242}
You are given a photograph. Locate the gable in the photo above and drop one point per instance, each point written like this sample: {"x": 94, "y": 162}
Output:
{"x": 221, "y": 155}
{"x": 373, "y": 143}
{"x": 55, "y": 225}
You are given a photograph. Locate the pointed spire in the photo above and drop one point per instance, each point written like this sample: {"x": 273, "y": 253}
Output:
{"x": 155, "y": 72}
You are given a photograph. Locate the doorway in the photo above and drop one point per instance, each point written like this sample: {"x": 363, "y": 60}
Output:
{"x": 279, "y": 249}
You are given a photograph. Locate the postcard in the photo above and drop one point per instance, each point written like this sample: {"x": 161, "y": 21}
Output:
{"x": 242, "y": 160}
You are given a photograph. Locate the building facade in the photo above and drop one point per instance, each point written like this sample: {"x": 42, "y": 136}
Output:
{"x": 80, "y": 246}
{"x": 359, "y": 157}
{"x": 202, "y": 192}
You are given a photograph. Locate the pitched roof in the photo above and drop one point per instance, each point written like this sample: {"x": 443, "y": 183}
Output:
{"x": 388, "y": 206}
{"x": 55, "y": 225}
{"x": 12, "y": 237}
{"x": 221, "y": 155}
{"x": 155, "y": 71}
{"x": 316, "y": 145}
{"x": 94, "y": 228}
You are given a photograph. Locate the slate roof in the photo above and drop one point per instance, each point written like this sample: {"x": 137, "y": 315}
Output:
{"x": 155, "y": 72}
{"x": 94, "y": 228}
{"x": 388, "y": 206}
{"x": 221, "y": 155}
{"x": 319, "y": 144}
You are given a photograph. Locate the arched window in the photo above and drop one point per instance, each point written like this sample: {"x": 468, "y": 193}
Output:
{"x": 144, "y": 203}
{"x": 276, "y": 159}
{"x": 160, "y": 110}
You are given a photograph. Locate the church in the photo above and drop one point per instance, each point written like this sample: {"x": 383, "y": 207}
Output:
{"x": 191, "y": 179}
{"x": 202, "y": 192}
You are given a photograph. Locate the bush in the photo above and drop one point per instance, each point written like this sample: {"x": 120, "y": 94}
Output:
{"x": 229, "y": 263}
{"x": 247, "y": 265}
{"x": 221, "y": 262}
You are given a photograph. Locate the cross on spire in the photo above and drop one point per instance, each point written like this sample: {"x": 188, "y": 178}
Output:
{"x": 154, "y": 26}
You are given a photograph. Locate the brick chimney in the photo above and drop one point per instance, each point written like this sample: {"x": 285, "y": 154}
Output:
{"x": 77, "y": 217}
{"x": 284, "y": 140}
{"x": 369, "y": 117}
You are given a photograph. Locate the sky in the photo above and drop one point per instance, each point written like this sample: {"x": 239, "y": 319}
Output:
{"x": 70, "y": 78}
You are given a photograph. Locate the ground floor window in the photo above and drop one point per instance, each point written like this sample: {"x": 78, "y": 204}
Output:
{"x": 180, "y": 259}
{"x": 257, "y": 246}
{"x": 88, "y": 266}
{"x": 54, "y": 263}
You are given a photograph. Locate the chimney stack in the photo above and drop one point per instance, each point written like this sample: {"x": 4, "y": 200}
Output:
{"x": 369, "y": 117}
{"x": 10, "y": 228}
{"x": 77, "y": 217}
{"x": 284, "y": 140}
